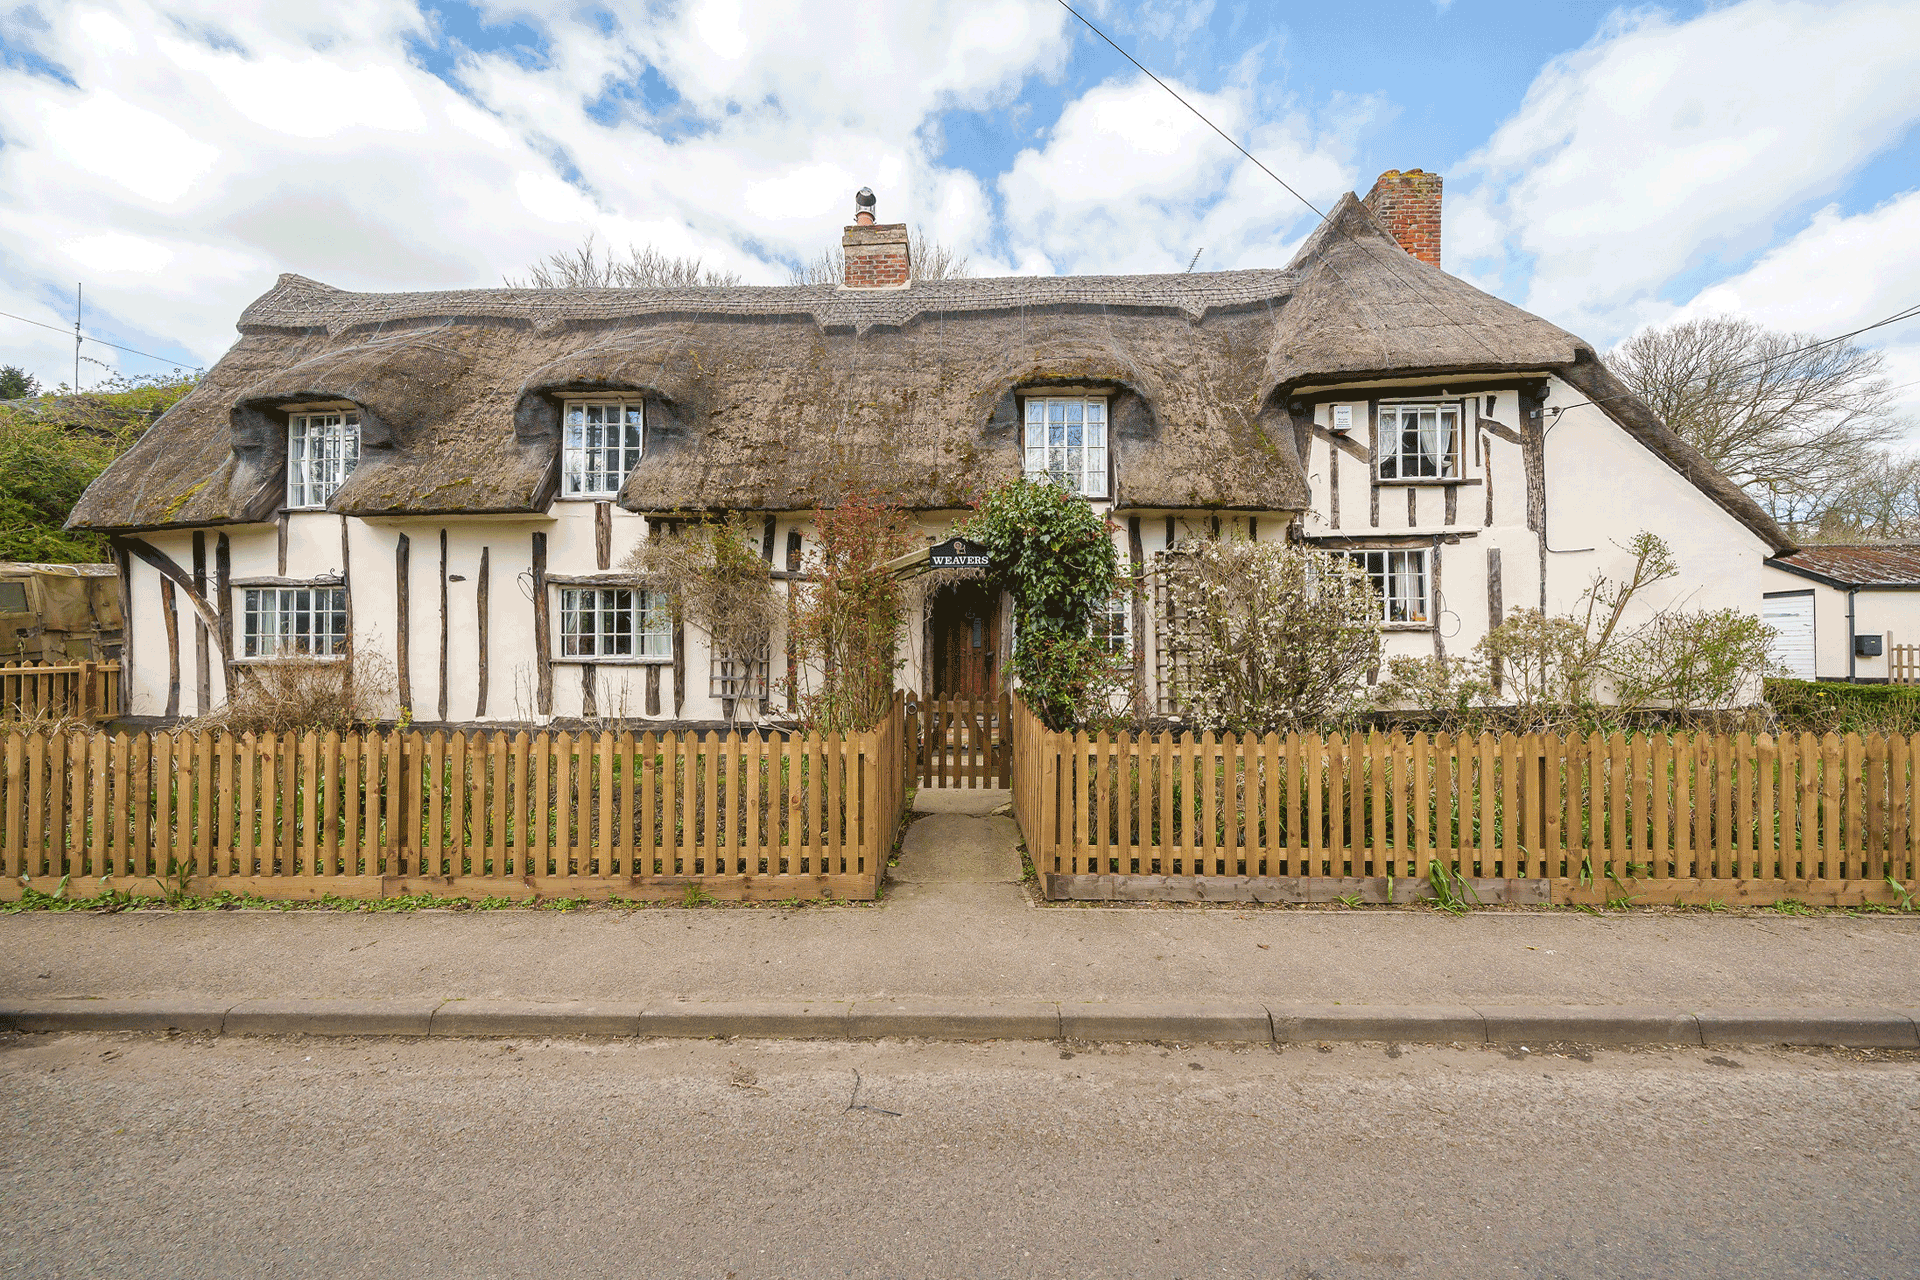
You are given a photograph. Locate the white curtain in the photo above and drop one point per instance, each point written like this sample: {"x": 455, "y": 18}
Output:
{"x": 1436, "y": 438}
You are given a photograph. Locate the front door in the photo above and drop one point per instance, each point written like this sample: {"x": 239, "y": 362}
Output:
{"x": 965, "y": 622}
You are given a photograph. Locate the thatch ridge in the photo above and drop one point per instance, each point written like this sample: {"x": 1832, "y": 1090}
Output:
{"x": 785, "y": 397}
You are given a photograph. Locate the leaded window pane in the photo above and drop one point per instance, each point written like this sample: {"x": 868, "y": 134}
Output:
{"x": 1419, "y": 441}
{"x": 614, "y": 622}
{"x": 322, "y": 451}
{"x": 289, "y": 622}
{"x": 602, "y": 443}
{"x": 1399, "y": 578}
{"x": 1065, "y": 442}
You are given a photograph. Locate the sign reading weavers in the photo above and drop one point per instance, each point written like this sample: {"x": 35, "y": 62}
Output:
{"x": 956, "y": 553}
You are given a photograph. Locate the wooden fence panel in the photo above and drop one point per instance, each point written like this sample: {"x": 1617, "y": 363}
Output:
{"x": 594, "y": 814}
{"x": 1684, "y": 818}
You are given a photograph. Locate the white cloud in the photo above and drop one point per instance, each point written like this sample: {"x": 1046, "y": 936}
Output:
{"x": 205, "y": 146}
{"x": 1837, "y": 275}
{"x": 1129, "y": 180}
{"x": 1664, "y": 146}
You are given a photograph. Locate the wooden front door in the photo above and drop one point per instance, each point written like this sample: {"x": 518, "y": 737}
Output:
{"x": 965, "y": 623}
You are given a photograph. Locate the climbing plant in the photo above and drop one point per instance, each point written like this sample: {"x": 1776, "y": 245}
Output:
{"x": 846, "y": 620}
{"x": 1055, "y": 557}
{"x": 714, "y": 575}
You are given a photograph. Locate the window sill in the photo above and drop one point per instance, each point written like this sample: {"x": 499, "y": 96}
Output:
{"x": 577, "y": 660}
{"x": 587, "y": 497}
{"x": 1406, "y": 626}
{"x": 289, "y": 657}
{"x": 1424, "y": 482}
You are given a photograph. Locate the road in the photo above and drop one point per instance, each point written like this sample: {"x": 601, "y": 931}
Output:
{"x": 184, "y": 1156}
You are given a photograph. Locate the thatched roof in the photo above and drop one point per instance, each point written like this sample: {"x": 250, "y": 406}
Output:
{"x": 784, "y": 398}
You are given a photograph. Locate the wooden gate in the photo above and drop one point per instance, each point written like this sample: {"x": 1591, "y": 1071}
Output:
{"x": 960, "y": 742}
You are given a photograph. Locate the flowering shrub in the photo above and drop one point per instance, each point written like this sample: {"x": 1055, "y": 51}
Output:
{"x": 1269, "y": 636}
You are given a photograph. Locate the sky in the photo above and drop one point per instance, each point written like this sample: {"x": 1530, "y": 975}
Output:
{"x": 1606, "y": 167}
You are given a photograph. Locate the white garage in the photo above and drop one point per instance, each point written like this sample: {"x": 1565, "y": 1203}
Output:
{"x": 1790, "y": 614}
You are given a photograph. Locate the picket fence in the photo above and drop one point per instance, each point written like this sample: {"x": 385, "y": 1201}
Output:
{"x": 1644, "y": 819}
{"x": 552, "y": 814}
{"x": 960, "y": 742}
{"x": 85, "y": 691}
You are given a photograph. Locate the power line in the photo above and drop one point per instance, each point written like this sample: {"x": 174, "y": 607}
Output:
{"x": 1416, "y": 290}
{"x": 1908, "y": 313}
{"x": 62, "y": 329}
{"x": 1196, "y": 111}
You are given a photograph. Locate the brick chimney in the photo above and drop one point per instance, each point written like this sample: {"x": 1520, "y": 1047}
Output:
{"x": 1407, "y": 205}
{"x": 876, "y": 253}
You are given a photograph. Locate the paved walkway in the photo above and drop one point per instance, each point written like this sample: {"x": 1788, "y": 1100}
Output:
{"x": 957, "y": 925}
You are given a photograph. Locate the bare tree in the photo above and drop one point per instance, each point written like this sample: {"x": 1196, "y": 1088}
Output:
{"x": 1880, "y": 503}
{"x": 926, "y": 260}
{"x": 589, "y": 268}
{"x": 1792, "y": 420}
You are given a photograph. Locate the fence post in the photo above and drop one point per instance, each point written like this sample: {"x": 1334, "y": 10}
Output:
{"x": 84, "y": 696}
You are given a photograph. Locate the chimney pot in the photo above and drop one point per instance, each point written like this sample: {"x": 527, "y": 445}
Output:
{"x": 876, "y": 254}
{"x": 1407, "y": 207}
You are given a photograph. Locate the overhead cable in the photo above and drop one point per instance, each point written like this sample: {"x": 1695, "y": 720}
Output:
{"x": 90, "y": 338}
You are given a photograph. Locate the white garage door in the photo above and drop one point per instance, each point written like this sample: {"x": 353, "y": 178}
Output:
{"x": 1791, "y": 618}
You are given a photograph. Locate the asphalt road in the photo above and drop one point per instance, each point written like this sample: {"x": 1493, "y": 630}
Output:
{"x": 130, "y": 1156}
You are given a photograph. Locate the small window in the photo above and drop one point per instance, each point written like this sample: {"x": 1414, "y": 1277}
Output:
{"x": 1113, "y": 626}
{"x": 295, "y": 622}
{"x": 1066, "y": 442}
{"x": 1419, "y": 441}
{"x": 601, "y": 446}
{"x": 13, "y": 597}
{"x": 322, "y": 449}
{"x": 1400, "y": 580}
{"x": 614, "y": 622}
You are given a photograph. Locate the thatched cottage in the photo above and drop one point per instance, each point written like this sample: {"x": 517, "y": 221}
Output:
{"x": 453, "y": 480}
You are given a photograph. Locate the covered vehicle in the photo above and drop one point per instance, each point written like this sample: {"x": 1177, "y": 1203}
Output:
{"x": 59, "y": 612}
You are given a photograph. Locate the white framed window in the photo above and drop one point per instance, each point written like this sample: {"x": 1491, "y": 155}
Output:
{"x": 1419, "y": 441}
{"x": 1066, "y": 442}
{"x": 1113, "y": 626}
{"x": 294, "y": 622}
{"x": 322, "y": 449}
{"x": 600, "y": 445}
{"x": 614, "y": 622}
{"x": 1400, "y": 579}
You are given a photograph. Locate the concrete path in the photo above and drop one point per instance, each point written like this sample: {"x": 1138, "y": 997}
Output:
{"x": 959, "y": 853}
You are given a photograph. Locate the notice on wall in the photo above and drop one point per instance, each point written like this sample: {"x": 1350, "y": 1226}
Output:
{"x": 1343, "y": 418}
{"x": 957, "y": 553}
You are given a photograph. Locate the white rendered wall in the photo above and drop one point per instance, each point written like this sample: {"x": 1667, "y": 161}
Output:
{"x": 1892, "y": 615}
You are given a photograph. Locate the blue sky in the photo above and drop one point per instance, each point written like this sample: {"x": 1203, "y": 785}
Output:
{"x": 1607, "y": 166}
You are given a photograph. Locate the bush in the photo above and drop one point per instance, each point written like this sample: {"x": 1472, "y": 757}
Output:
{"x": 53, "y": 447}
{"x": 1270, "y": 636}
{"x": 1815, "y": 706}
{"x": 714, "y": 575}
{"x": 298, "y": 695}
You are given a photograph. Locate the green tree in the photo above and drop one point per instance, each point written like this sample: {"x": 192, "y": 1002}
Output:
{"x": 53, "y": 446}
{"x": 16, "y": 383}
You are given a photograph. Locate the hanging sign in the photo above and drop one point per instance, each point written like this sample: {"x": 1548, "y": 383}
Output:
{"x": 956, "y": 553}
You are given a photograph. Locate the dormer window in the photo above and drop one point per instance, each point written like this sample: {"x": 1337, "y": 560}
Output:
{"x": 322, "y": 449}
{"x": 1419, "y": 441}
{"x": 1066, "y": 442}
{"x": 600, "y": 446}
